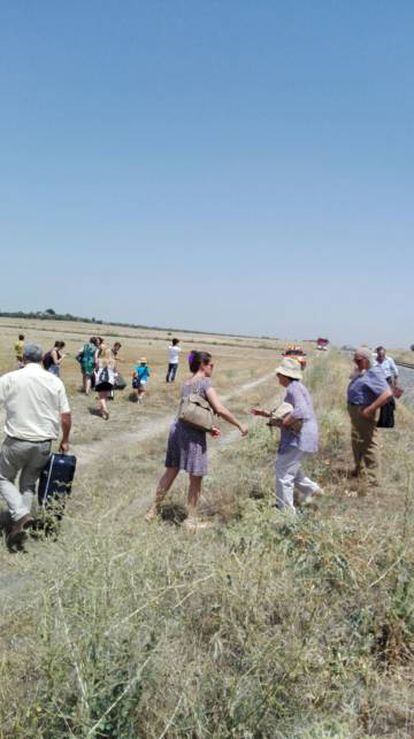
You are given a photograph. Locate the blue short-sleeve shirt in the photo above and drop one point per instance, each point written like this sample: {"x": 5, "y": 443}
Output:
{"x": 367, "y": 387}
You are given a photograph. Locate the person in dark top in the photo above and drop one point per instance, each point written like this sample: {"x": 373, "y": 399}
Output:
{"x": 53, "y": 359}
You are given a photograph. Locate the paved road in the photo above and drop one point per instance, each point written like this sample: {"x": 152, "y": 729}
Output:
{"x": 407, "y": 382}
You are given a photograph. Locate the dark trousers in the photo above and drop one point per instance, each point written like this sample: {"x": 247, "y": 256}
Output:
{"x": 386, "y": 419}
{"x": 171, "y": 372}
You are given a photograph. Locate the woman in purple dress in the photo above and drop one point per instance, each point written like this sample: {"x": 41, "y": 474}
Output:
{"x": 187, "y": 445}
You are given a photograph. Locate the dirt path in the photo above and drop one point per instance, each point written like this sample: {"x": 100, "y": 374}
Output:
{"x": 87, "y": 453}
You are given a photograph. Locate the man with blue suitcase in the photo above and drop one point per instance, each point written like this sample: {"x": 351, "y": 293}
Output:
{"x": 36, "y": 408}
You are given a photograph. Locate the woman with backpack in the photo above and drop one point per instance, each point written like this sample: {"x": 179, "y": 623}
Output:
{"x": 87, "y": 359}
{"x": 187, "y": 444}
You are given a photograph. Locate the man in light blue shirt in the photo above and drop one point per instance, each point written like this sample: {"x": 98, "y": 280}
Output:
{"x": 387, "y": 363}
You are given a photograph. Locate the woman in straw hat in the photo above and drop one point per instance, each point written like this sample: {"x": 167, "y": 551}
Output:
{"x": 299, "y": 437}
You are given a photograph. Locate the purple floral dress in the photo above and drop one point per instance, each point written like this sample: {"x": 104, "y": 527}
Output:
{"x": 187, "y": 446}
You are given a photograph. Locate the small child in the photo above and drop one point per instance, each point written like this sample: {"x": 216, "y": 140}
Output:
{"x": 140, "y": 378}
{"x": 19, "y": 350}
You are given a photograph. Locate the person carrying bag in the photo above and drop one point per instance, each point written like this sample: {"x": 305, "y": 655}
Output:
{"x": 187, "y": 442}
{"x": 196, "y": 411}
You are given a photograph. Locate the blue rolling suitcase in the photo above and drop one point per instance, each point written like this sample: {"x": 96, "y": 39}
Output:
{"x": 55, "y": 482}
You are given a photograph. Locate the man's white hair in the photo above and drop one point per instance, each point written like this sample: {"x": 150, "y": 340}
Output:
{"x": 365, "y": 352}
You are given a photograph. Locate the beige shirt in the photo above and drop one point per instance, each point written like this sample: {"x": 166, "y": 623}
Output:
{"x": 33, "y": 399}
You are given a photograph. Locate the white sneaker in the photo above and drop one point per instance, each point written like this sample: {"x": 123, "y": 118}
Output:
{"x": 310, "y": 498}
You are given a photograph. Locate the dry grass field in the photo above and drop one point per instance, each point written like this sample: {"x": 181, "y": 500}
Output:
{"x": 263, "y": 625}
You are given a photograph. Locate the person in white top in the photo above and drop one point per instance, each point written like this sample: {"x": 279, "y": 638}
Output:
{"x": 382, "y": 359}
{"x": 36, "y": 408}
{"x": 173, "y": 358}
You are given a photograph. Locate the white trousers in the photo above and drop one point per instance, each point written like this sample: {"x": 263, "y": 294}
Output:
{"x": 25, "y": 457}
{"x": 289, "y": 475}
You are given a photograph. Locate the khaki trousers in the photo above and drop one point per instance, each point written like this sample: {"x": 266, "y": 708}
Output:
{"x": 28, "y": 458}
{"x": 364, "y": 443}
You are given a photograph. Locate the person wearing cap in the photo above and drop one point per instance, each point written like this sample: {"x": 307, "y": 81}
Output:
{"x": 140, "y": 378}
{"x": 298, "y": 439}
{"x": 368, "y": 391}
{"x": 36, "y": 407}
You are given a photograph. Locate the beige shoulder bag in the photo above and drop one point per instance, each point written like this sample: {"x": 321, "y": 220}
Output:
{"x": 196, "y": 411}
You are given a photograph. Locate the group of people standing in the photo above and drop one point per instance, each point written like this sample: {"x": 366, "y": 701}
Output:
{"x": 372, "y": 386}
{"x": 36, "y": 406}
{"x": 99, "y": 371}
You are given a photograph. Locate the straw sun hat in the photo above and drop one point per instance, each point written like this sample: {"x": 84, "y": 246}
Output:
{"x": 289, "y": 367}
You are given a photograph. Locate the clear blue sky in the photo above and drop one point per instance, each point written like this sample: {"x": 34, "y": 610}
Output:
{"x": 226, "y": 165}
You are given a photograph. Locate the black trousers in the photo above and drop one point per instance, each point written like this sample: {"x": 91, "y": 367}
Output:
{"x": 386, "y": 418}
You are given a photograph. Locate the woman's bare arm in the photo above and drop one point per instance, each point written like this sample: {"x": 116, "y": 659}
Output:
{"x": 224, "y": 412}
{"x": 260, "y": 412}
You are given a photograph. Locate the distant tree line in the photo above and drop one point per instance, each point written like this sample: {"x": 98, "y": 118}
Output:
{"x": 50, "y": 314}
{"x": 45, "y": 315}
